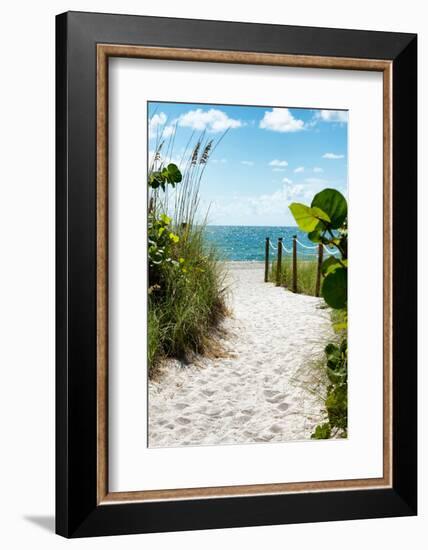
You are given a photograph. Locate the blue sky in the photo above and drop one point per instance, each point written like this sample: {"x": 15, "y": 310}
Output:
{"x": 268, "y": 158}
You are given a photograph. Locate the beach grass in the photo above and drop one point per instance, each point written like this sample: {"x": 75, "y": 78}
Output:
{"x": 306, "y": 275}
{"x": 187, "y": 296}
{"x": 184, "y": 310}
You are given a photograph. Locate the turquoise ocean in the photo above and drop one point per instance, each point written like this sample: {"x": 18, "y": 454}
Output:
{"x": 246, "y": 243}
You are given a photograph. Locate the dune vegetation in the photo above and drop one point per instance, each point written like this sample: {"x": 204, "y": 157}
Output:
{"x": 186, "y": 281}
{"x": 325, "y": 221}
{"x": 306, "y": 275}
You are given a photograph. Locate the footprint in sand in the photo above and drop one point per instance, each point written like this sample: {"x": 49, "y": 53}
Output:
{"x": 251, "y": 388}
{"x": 161, "y": 422}
{"x": 181, "y": 406}
{"x": 276, "y": 399}
{"x": 276, "y": 428}
{"x": 270, "y": 393}
{"x": 183, "y": 420}
{"x": 263, "y": 438}
{"x": 216, "y": 412}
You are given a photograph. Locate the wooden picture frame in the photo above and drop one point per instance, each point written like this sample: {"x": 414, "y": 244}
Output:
{"x": 84, "y": 504}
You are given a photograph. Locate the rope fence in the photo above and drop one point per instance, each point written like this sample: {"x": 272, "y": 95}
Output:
{"x": 305, "y": 245}
{"x": 286, "y": 250}
{"x": 331, "y": 252}
{"x": 316, "y": 251}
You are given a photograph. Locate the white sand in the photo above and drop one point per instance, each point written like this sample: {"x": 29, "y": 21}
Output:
{"x": 261, "y": 393}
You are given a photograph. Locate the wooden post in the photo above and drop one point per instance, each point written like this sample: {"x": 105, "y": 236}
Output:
{"x": 279, "y": 262}
{"x": 294, "y": 287}
{"x": 267, "y": 260}
{"x": 318, "y": 283}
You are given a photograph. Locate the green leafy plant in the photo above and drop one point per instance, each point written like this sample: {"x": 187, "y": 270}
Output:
{"x": 186, "y": 294}
{"x": 322, "y": 431}
{"x": 337, "y": 392}
{"x": 167, "y": 175}
{"x": 325, "y": 221}
{"x": 161, "y": 239}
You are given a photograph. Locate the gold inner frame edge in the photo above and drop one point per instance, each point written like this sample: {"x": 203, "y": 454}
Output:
{"x": 104, "y": 52}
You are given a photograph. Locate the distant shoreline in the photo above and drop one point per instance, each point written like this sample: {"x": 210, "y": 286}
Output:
{"x": 248, "y": 243}
{"x": 242, "y": 264}
{"x": 294, "y": 227}
{"x": 257, "y": 263}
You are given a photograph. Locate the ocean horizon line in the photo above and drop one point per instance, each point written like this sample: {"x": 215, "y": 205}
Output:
{"x": 248, "y": 242}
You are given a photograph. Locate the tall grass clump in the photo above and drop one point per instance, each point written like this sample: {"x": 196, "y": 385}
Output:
{"x": 186, "y": 281}
{"x": 187, "y": 302}
{"x": 306, "y": 275}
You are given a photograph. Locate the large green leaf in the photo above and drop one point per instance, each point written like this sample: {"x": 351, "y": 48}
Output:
{"x": 308, "y": 219}
{"x": 315, "y": 236}
{"x": 169, "y": 174}
{"x": 320, "y": 214}
{"x": 174, "y": 174}
{"x": 333, "y": 204}
{"x": 335, "y": 288}
{"x": 155, "y": 179}
{"x": 330, "y": 264}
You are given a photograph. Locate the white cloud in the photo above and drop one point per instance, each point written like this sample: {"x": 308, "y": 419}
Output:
{"x": 155, "y": 124}
{"x": 315, "y": 181}
{"x": 299, "y": 169}
{"x": 276, "y": 202}
{"x": 295, "y": 190}
{"x": 218, "y": 161}
{"x": 213, "y": 120}
{"x": 332, "y": 156}
{"x": 264, "y": 209}
{"x": 281, "y": 120}
{"x": 247, "y": 162}
{"x": 276, "y": 162}
{"x": 158, "y": 128}
{"x": 167, "y": 131}
{"x": 332, "y": 116}
{"x": 318, "y": 170}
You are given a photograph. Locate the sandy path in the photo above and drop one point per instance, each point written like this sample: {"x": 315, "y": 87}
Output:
{"x": 260, "y": 393}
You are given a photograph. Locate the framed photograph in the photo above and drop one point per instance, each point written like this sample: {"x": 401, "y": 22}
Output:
{"x": 236, "y": 274}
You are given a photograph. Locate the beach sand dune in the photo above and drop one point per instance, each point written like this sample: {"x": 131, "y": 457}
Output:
{"x": 263, "y": 389}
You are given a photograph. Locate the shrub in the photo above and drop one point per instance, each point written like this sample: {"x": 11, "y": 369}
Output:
{"x": 186, "y": 286}
{"x": 325, "y": 221}
{"x": 190, "y": 299}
